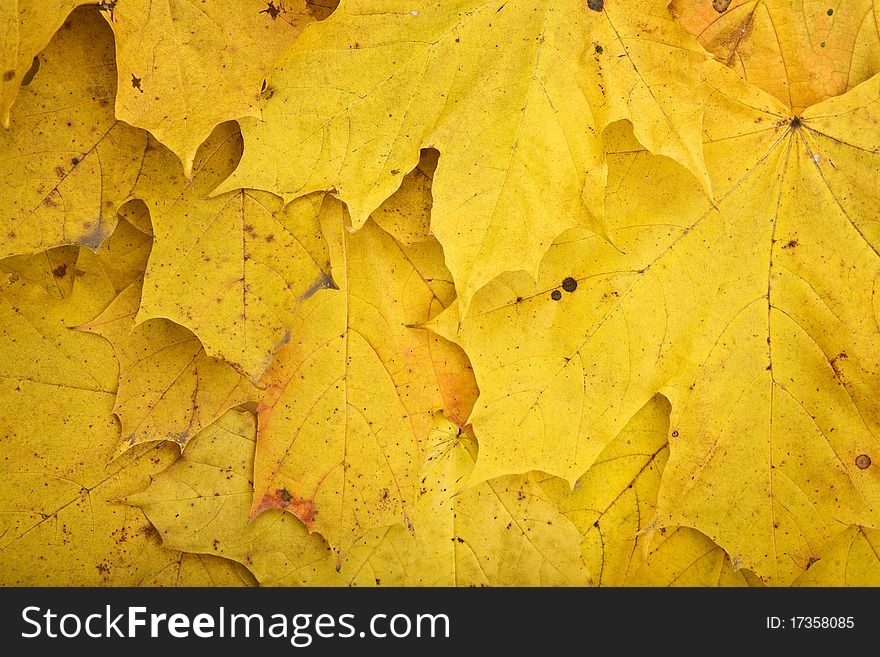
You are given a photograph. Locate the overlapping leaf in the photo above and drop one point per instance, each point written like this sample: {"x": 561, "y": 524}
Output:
{"x": 349, "y": 402}
{"x": 67, "y": 162}
{"x": 201, "y": 504}
{"x": 59, "y": 523}
{"x": 755, "y": 315}
{"x": 853, "y": 559}
{"x": 514, "y": 95}
{"x": 233, "y": 269}
{"x": 801, "y": 51}
{"x": 186, "y": 67}
{"x": 613, "y": 504}
{"x": 505, "y": 532}
{"x": 26, "y": 27}
{"x": 169, "y": 388}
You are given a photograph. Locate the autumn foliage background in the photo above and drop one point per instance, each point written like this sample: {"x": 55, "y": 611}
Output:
{"x": 471, "y": 292}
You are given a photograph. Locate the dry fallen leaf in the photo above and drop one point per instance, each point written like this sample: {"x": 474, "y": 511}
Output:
{"x": 614, "y": 502}
{"x": 201, "y": 504}
{"x": 59, "y": 523}
{"x": 504, "y": 532}
{"x": 169, "y": 389}
{"x": 232, "y": 269}
{"x": 801, "y": 51}
{"x": 26, "y": 27}
{"x": 67, "y": 164}
{"x": 851, "y": 560}
{"x": 514, "y": 95}
{"x": 184, "y": 67}
{"x": 348, "y": 403}
{"x": 570, "y": 194}
{"x": 755, "y": 316}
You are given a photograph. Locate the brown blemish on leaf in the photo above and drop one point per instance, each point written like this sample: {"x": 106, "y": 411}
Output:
{"x": 303, "y": 509}
{"x": 59, "y": 271}
{"x": 273, "y": 11}
{"x": 136, "y": 83}
{"x": 324, "y": 282}
{"x": 556, "y": 295}
{"x": 863, "y": 461}
{"x": 790, "y": 244}
{"x": 596, "y": 5}
{"x": 8, "y": 75}
{"x": 32, "y": 72}
{"x": 835, "y": 365}
{"x": 720, "y": 5}
{"x": 569, "y": 284}
{"x": 108, "y": 6}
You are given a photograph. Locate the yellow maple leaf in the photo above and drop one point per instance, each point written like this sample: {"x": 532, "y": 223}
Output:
{"x": 234, "y": 268}
{"x": 513, "y": 94}
{"x": 801, "y": 51}
{"x": 614, "y": 502}
{"x": 504, "y": 532}
{"x": 755, "y": 316}
{"x": 67, "y": 162}
{"x": 184, "y": 68}
{"x": 852, "y": 559}
{"x": 169, "y": 388}
{"x": 58, "y": 522}
{"x": 348, "y": 403}
{"x": 124, "y": 254}
{"x": 26, "y": 27}
{"x": 406, "y": 214}
{"x": 52, "y": 270}
{"x": 200, "y": 505}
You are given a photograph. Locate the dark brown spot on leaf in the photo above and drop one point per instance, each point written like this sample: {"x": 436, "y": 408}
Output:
{"x": 790, "y": 244}
{"x": 108, "y": 6}
{"x": 284, "y": 495}
{"x": 596, "y": 5}
{"x": 569, "y": 284}
{"x": 273, "y": 11}
{"x": 795, "y": 122}
{"x": 863, "y": 461}
{"x": 8, "y": 75}
{"x": 32, "y": 72}
{"x": 836, "y": 366}
{"x": 720, "y": 5}
{"x": 136, "y": 83}
{"x": 599, "y": 49}
{"x": 556, "y": 295}
{"x": 675, "y": 434}
{"x": 59, "y": 271}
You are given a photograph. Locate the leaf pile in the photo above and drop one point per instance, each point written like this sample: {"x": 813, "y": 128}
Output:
{"x": 473, "y": 293}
